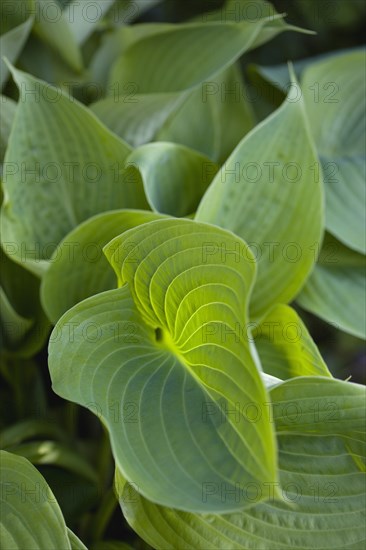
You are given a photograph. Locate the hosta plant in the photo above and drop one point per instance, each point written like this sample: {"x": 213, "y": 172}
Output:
{"x": 169, "y": 237}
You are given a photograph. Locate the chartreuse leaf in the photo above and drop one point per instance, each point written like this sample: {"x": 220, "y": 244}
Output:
{"x": 320, "y": 427}
{"x": 137, "y": 117}
{"x": 251, "y": 11}
{"x": 334, "y": 92}
{"x": 285, "y": 347}
{"x": 11, "y": 44}
{"x": 218, "y": 104}
{"x": 175, "y": 177}
{"x": 336, "y": 289}
{"x": 78, "y": 269}
{"x": 267, "y": 194}
{"x": 56, "y": 454}
{"x": 63, "y": 162}
{"x": 157, "y": 356}
{"x": 30, "y": 515}
{"x": 163, "y": 62}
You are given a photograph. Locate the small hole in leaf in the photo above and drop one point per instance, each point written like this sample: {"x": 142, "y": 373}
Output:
{"x": 158, "y": 334}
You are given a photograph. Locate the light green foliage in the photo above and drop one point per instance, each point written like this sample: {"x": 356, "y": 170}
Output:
{"x": 162, "y": 216}
{"x": 170, "y": 348}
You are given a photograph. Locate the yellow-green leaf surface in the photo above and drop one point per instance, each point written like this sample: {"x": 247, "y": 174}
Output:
{"x": 163, "y": 62}
{"x": 336, "y": 289}
{"x": 285, "y": 347}
{"x": 11, "y": 44}
{"x": 175, "y": 177}
{"x": 62, "y": 166}
{"x": 334, "y": 91}
{"x": 165, "y": 362}
{"x": 30, "y": 515}
{"x": 267, "y": 194}
{"x": 137, "y": 117}
{"x": 219, "y": 104}
{"x": 78, "y": 269}
{"x": 320, "y": 427}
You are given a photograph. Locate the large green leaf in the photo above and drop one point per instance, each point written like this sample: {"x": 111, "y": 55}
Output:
{"x": 30, "y": 515}
{"x": 336, "y": 289}
{"x": 61, "y": 161}
{"x": 267, "y": 194}
{"x": 219, "y": 115}
{"x": 334, "y": 92}
{"x": 137, "y": 117}
{"x": 11, "y": 44}
{"x": 175, "y": 177}
{"x": 157, "y": 356}
{"x": 162, "y": 62}
{"x": 285, "y": 347}
{"x": 251, "y": 11}
{"x": 78, "y": 268}
{"x": 321, "y": 434}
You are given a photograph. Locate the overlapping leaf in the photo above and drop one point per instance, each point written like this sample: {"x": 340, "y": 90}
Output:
{"x": 285, "y": 346}
{"x": 219, "y": 104}
{"x": 11, "y": 44}
{"x": 169, "y": 352}
{"x": 336, "y": 289}
{"x": 30, "y": 515}
{"x": 334, "y": 92}
{"x": 161, "y": 63}
{"x": 321, "y": 433}
{"x": 61, "y": 161}
{"x": 267, "y": 194}
{"x": 78, "y": 268}
{"x": 175, "y": 177}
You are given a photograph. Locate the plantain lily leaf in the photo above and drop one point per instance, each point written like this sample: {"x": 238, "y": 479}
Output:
{"x": 218, "y": 104}
{"x": 30, "y": 515}
{"x": 78, "y": 268}
{"x": 157, "y": 356}
{"x": 251, "y": 11}
{"x": 321, "y": 433}
{"x": 336, "y": 289}
{"x": 161, "y": 63}
{"x": 334, "y": 92}
{"x": 113, "y": 45}
{"x": 71, "y": 168}
{"x": 175, "y": 177}
{"x": 267, "y": 194}
{"x": 11, "y": 44}
{"x": 137, "y": 117}
{"x": 285, "y": 347}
